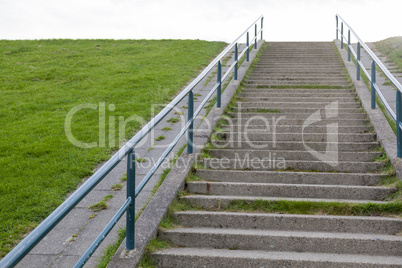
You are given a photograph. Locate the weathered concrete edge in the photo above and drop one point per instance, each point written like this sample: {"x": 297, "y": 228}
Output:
{"x": 385, "y": 135}
{"x": 147, "y": 224}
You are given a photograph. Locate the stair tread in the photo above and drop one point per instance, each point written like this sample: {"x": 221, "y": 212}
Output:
{"x": 229, "y": 198}
{"x": 248, "y": 214}
{"x": 294, "y": 185}
{"x": 287, "y": 233}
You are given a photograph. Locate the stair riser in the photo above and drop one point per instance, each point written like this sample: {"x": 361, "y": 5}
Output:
{"x": 289, "y": 222}
{"x": 313, "y": 137}
{"x": 309, "y": 105}
{"x": 175, "y": 261}
{"x": 284, "y": 243}
{"x": 291, "y": 191}
{"x": 294, "y": 129}
{"x": 297, "y": 146}
{"x": 292, "y": 155}
{"x": 281, "y": 164}
{"x": 290, "y": 177}
{"x": 279, "y": 94}
{"x": 293, "y": 113}
{"x": 298, "y": 99}
{"x": 277, "y": 120}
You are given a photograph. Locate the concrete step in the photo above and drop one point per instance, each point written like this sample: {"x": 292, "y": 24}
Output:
{"x": 325, "y": 242}
{"x": 313, "y": 137}
{"x": 289, "y": 155}
{"x": 298, "y": 99}
{"x": 269, "y": 68}
{"x": 274, "y": 163}
{"x": 295, "y": 82}
{"x": 295, "y": 145}
{"x": 316, "y": 105}
{"x": 244, "y": 94}
{"x": 296, "y": 90}
{"x": 290, "y": 177}
{"x": 289, "y": 222}
{"x": 227, "y": 258}
{"x": 298, "y": 128}
{"x": 276, "y": 119}
{"x": 353, "y": 113}
{"x": 289, "y": 190}
{"x": 219, "y": 201}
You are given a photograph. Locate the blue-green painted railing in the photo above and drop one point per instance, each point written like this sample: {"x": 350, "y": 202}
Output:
{"x": 23, "y": 248}
{"x": 375, "y": 90}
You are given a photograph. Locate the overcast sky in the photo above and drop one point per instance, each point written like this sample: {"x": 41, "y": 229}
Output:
{"x": 224, "y": 20}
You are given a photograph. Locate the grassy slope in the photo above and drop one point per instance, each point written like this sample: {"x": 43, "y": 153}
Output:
{"x": 392, "y": 49}
{"x": 40, "y": 81}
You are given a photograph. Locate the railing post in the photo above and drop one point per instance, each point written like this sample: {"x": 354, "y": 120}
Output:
{"x": 341, "y": 35}
{"x": 357, "y": 62}
{"x": 130, "y": 215}
{"x": 337, "y": 30}
{"x": 190, "y": 116}
{"x": 262, "y": 20}
{"x": 248, "y": 49}
{"x": 398, "y": 122}
{"x": 255, "y": 35}
{"x": 348, "y": 45}
{"x": 372, "y": 84}
{"x": 236, "y": 59}
{"x": 219, "y": 80}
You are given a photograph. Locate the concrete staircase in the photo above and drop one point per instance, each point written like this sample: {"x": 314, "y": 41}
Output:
{"x": 298, "y": 133}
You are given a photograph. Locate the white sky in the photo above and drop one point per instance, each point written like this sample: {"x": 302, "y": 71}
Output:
{"x": 224, "y": 20}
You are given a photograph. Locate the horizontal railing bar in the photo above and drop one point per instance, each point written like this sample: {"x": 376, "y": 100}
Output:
{"x": 84, "y": 258}
{"x": 374, "y": 57}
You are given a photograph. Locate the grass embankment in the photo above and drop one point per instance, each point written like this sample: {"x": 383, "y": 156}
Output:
{"x": 41, "y": 81}
{"x": 392, "y": 49}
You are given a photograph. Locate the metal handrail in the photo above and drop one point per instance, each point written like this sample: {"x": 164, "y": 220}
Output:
{"x": 26, "y": 245}
{"x": 372, "y": 78}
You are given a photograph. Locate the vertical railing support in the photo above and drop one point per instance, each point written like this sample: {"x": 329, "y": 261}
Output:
{"x": 337, "y": 29}
{"x": 398, "y": 122}
{"x": 190, "y": 133}
{"x": 219, "y": 80}
{"x": 255, "y": 35}
{"x": 248, "y": 47}
{"x": 348, "y": 45}
{"x": 372, "y": 84}
{"x": 357, "y": 62}
{"x": 236, "y": 59}
{"x": 262, "y": 20}
{"x": 130, "y": 217}
{"x": 341, "y": 35}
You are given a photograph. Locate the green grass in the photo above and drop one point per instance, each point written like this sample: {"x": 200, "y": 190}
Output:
{"x": 108, "y": 253}
{"x": 392, "y": 49}
{"x": 173, "y": 120}
{"x": 267, "y": 111}
{"x": 166, "y": 128}
{"x": 42, "y": 80}
{"x": 116, "y": 187}
{"x": 140, "y": 160}
{"x": 101, "y": 205}
{"x": 159, "y": 138}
